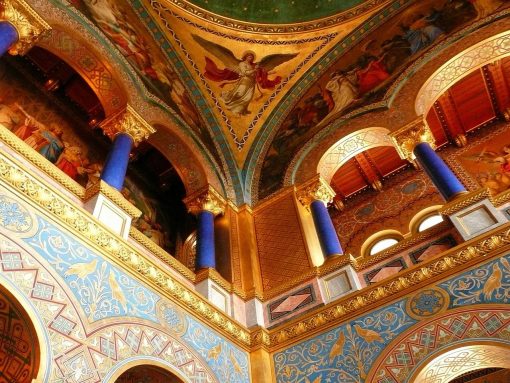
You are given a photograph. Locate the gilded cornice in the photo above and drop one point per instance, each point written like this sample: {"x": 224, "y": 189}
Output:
{"x": 130, "y": 123}
{"x": 114, "y": 195}
{"x": 464, "y": 200}
{"x": 404, "y": 282}
{"x": 29, "y": 25}
{"x": 364, "y": 262}
{"x": 205, "y": 199}
{"x": 331, "y": 21}
{"x": 317, "y": 189}
{"x": 407, "y": 137}
{"x": 115, "y": 248}
{"x": 152, "y": 247}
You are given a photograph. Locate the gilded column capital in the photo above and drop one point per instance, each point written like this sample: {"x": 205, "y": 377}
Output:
{"x": 206, "y": 199}
{"x": 410, "y": 135}
{"x": 317, "y": 189}
{"x": 130, "y": 123}
{"x": 29, "y": 25}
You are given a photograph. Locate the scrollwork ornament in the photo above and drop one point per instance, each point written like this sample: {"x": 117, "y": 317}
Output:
{"x": 410, "y": 135}
{"x": 29, "y": 25}
{"x": 206, "y": 199}
{"x": 315, "y": 190}
{"x": 129, "y": 122}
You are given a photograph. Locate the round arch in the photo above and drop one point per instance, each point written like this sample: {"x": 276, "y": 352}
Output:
{"x": 350, "y": 145}
{"x": 118, "y": 369}
{"x": 42, "y": 358}
{"x": 457, "y": 360}
{"x": 421, "y": 216}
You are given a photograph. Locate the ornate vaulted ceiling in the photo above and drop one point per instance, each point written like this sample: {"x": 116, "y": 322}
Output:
{"x": 253, "y": 82}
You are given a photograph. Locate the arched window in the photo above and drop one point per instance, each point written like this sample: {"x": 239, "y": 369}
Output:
{"x": 382, "y": 244}
{"x": 429, "y": 221}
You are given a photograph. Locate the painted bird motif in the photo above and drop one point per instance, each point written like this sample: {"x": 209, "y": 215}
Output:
{"x": 235, "y": 363}
{"x": 214, "y": 352}
{"x": 369, "y": 335}
{"x": 82, "y": 270}
{"x": 117, "y": 292}
{"x": 493, "y": 283}
{"x": 338, "y": 347}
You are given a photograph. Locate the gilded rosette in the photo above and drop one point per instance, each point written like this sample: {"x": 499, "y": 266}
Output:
{"x": 29, "y": 25}
{"x": 316, "y": 189}
{"x": 128, "y": 122}
{"x": 410, "y": 135}
{"x": 206, "y": 199}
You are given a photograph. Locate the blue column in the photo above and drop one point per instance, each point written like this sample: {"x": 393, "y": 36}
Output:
{"x": 205, "y": 256}
{"x": 115, "y": 167}
{"x": 441, "y": 175}
{"x": 8, "y": 36}
{"x": 325, "y": 230}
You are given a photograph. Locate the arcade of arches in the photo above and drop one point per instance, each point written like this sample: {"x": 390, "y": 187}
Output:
{"x": 254, "y": 191}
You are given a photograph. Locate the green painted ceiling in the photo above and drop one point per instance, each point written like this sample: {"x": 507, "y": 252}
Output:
{"x": 276, "y": 11}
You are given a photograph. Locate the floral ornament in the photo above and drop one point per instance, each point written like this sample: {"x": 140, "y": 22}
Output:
{"x": 428, "y": 303}
{"x": 13, "y": 216}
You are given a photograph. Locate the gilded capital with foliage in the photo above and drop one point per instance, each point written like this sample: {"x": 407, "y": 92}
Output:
{"x": 317, "y": 189}
{"x": 128, "y": 122}
{"x": 407, "y": 137}
{"x": 206, "y": 199}
{"x": 29, "y": 25}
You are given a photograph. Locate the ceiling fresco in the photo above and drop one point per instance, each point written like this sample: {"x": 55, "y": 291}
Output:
{"x": 253, "y": 94}
{"x": 362, "y": 76}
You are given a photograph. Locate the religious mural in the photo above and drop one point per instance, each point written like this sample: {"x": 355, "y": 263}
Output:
{"x": 124, "y": 28}
{"x": 75, "y": 149}
{"x": 29, "y": 114}
{"x": 488, "y": 162}
{"x": 246, "y": 76}
{"x": 364, "y": 74}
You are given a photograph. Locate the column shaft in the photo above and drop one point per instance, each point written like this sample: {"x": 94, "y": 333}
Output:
{"x": 114, "y": 170}
{"x": 441, "y": 175}
{"x": 325, "y": 230}
{"x": 205, "y": 256}
{"x": 8, "y": 36}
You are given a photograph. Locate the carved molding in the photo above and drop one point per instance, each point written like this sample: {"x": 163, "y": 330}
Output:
{"x": 114, "y": 195}
{"x": 29, "y": 25}
{"x": 407, "y": 137}
{"x": 317, "y": 189}
{"x": 206, "y": 199}
{"x": 128, "y": 122}
{"x": 464, "y": 200}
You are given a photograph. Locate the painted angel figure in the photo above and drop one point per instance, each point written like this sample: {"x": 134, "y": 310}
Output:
{"x": 245, "y": 75}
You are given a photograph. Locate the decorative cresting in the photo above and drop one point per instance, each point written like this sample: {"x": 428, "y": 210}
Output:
{"x": 28, "y": 24}
{"x": 478, "y": 55}
{"x": 406, "y": 138}
{"x": 317, "y": 189}
{"x": 350, "y": 145}
{"x": 205, "y": 204}
{"x": 130, "y": 123}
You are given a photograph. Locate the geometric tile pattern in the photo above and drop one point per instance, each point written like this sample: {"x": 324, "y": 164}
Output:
{"x": 280, "y": 242}
{"x": 385, "y": 271}
{"x": 402, "y": 359}
{"x": 290, "y": 303}
{"x": 431, "y": 249}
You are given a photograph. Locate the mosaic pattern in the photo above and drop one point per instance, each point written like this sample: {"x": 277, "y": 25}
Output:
{"x": 346, "y": 353}
{"x": 385, "y": 271}
{"x": 290, "y": 303}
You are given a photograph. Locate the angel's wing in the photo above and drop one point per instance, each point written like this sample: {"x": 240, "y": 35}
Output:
{"x": 224, "y": 54}
{"x": 272, "y": 61}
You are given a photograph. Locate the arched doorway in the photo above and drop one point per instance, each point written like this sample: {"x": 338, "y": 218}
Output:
{"x": 466, "y": 363}
{"x": 147, "y": 374}
{"x": 19, "y": 345}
